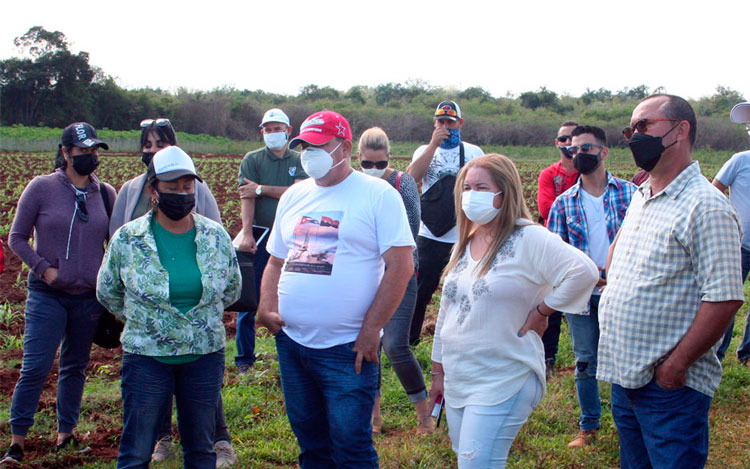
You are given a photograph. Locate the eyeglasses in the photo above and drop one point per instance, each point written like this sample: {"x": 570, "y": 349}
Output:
{"x": 367, "y": 164}
{"x": 160, "y": 122}
{"x": 83, "y": 212}
{"x": 446, "y": 111}
{"x": 642, "y": 125}
{"x": 564, "y": 138}
{"x": 586, "y": 147}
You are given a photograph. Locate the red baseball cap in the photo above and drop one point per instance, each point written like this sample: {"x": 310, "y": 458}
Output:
{"x": 320, "y": 127}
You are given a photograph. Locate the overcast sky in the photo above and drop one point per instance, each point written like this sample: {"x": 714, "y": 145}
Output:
{"x": 504, "y": 47}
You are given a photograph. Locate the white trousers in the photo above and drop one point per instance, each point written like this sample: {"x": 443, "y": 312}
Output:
{"x": 482, "y": 435}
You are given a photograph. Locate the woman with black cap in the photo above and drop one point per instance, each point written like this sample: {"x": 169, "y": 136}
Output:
{"x": 169, "y": 275}
{"x": 66, "y": 212}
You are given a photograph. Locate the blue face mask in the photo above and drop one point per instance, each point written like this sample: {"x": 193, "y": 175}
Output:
{"x": 453, "y": 140}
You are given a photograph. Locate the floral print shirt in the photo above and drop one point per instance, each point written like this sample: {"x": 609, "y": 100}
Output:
{"x": 134, "y": 286}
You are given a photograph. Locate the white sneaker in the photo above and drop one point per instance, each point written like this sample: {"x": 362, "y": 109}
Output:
{"x": 163, "y": 450}
{"x": 225, "y": 455}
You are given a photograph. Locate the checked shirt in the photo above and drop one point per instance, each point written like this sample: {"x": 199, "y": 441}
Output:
{"x": 568, "y": 220}
{"x": 676, "y": 249}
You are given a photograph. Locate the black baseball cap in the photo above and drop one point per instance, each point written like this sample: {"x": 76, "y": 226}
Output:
{"x": 82, "y": 135}
{"x": 448, "y": 110}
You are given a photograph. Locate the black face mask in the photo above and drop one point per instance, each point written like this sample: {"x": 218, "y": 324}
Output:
{"x": 147, "y": 156}
{"x": 647, "y": 149}
{"x": 565, "y": 152}
{"x": 85, "y": 164}
{"x": 586, "y": 163}
{"x": 175, "y": 206}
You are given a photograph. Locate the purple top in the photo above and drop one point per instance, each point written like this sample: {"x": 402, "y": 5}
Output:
{"x": 62, "y": 240}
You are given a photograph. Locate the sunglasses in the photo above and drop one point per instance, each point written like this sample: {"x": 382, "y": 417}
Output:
{"x": 564, "y": 138}
{"x": 446, "y": 111}
{"x": 642, "y": 125}
{"x": 367, "y": 164}
{"x": 160, "y": 122}
{"x": 83, "y": 212}
{"x": 586, "y": 147}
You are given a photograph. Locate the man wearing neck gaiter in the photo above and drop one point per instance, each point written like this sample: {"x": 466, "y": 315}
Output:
{"x": 441, "y": 158}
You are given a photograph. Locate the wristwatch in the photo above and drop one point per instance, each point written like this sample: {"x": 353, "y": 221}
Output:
{"x": 259, "y": 190}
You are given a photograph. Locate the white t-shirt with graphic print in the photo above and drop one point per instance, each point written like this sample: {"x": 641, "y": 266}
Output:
{"x": 332, "y": 240}
{"x": 445, "y": 161}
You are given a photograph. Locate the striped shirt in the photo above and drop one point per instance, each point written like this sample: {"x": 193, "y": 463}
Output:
{"x": 676, "y": 249}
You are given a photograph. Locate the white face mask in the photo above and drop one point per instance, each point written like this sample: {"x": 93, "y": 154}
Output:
{"x": 276, "y": 140}
{"x": 374, "y": 172}
{"x": 317, "y": 162}
{"x": 477, "y": 205}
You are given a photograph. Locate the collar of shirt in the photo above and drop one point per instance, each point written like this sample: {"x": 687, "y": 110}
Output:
{"x": 675, "y": 187}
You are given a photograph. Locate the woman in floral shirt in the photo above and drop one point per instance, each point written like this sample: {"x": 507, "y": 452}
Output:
{"x": 169, "y": 275}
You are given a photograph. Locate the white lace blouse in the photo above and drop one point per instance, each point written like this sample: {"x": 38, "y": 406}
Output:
{"x": 476, "y": 337}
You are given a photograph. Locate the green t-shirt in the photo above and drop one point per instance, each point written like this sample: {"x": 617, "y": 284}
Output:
{"x": 177, "y": 253}
{"x": 264, "y": 168}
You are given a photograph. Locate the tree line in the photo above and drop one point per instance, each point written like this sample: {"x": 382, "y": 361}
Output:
{"x": 50, "y": 85}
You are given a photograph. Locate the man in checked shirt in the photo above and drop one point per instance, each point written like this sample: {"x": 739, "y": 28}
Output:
{"x": 673, "y": 286}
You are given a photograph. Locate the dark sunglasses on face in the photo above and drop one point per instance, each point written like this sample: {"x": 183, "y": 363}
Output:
{"x": 367, "y": 164}
{"x": 586, "y": 147}
{"x": 160, "y": 122}
{"x": 83, "y": 212}
{"x": 563, "y": 138}
{"x": 642, "y": 125}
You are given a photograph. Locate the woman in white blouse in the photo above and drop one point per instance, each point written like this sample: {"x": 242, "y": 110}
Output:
{"x": 505, "y": 276}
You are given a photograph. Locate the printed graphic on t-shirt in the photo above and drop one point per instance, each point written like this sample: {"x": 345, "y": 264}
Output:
{"x": 316, "y": 238}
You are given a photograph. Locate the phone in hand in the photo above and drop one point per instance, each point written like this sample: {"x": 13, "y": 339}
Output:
{"x": 437, "y": 409}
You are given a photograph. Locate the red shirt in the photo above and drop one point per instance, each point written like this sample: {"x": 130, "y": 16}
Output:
{"x": 553, "y": 181}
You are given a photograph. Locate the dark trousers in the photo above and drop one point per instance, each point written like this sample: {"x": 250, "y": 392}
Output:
{"x": 551, "y": 338}
{"x": 433, "y": 257}
{"x": 245, "y": 335}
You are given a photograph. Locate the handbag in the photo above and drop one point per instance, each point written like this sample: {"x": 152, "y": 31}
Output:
{"x": 248, "y": 300}
{"x": 437, "y": 204}
{"x": 109, "y": 328}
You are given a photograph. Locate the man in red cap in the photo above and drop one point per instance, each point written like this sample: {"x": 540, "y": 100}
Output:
{"x": 325, "y": 294}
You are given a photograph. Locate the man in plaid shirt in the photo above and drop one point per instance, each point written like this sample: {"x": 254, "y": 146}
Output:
{"x": 673, "y": 285}
{"x": 587, "y": 216}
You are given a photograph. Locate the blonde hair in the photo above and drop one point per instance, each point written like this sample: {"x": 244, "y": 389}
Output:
{"x": 512, "y": 209}
{"x": 374, "y": 138}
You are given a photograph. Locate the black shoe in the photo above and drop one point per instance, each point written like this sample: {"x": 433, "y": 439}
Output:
{"x": 14, "y": 455}
{"x": 70, "y": 443}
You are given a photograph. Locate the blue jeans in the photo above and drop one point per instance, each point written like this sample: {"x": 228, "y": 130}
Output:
{"x": 51, "y": 318}
{"x": 481, "y": 436}
{"x": 329, "y": 406}
{"x": 661, "y": 428}
{"x": 743, "y": 351}
{"x": 395, "y": 342}
{"x": 245, "y": 335}
{"x": 221, "y": 433}
{"x": 148, "y": 385}
{"x": 584, "y": 332}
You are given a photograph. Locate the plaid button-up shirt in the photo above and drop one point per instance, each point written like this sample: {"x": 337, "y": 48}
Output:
{"x": 676, "y": 249}
{"x": 567, "y": 219}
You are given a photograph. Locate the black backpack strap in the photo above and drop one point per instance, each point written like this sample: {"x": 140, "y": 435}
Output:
{"x": 461, "y": 156}
{"x": 105, "y": 198}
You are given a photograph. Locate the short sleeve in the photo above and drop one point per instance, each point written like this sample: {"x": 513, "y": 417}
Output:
{"x": 714, "y": 244}
{"x": 248, "y": 169}
{"x": 391, "y": 222}
{"x": 728, "y": 172}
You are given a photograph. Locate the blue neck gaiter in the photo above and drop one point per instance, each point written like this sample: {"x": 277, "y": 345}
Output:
{"x": 453, "y": 140}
